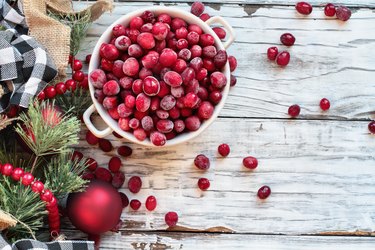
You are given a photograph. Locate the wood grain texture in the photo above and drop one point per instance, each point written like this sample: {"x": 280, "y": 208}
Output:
{"x": 321, "y": 176}
{"x": 331, "y": 59}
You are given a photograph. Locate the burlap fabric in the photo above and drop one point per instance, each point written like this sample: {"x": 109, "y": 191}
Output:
{"x": 54, "y": 35}
{"x": 6, "y": 221}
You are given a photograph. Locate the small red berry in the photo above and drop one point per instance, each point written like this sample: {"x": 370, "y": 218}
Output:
{"x": 77, "y": 65}
{"x": 202, "y": 162}
{"x": 27, "y": 179}
{"x": 88, "y": 58}
{"x": 135, "y": 204}
{"x": 114, "y": 164}
{"x": 304, "y": 8}
{"x": 46, "y": 195}
{"x": 343, "y": 13}
{"x": 60, "y": 88}
{"x": 294, "y": 110}
{"x": 91, "y": 138}
{"x": 203, "y": 184}
{"x": 324, "y": 104}
{"x": 171, "y": 219}
{"x": 197, "y": 8}
{"x": 204, "y": 17}
{"x": 76, "y": 156}
{"x": 330, "y": 9}
{"x": 223, "y": 149}
{"x": 103, "y": 174}
{"x": 124, "y": 151}
{"x": 124, "y": 200}
{"x": 71, "y": 85}
{"x": 7, "y": 169}
{"x": 287, "y": 39}
{"x": 371, "y": 127}
{"x": 41, "y": 95}
{"x": 37, "y": 186}
{"x": 272, "y": 53}
{"x": 118, "y": 179}
{"x": 250, "y": 162}
{"x": 17, "y": 174}
{"x": 151, "y": 203}
{"x": 283, "y": 58}
{"x": 134, "y": 184}
{"x": 50, "y": 92}
{"x": 88, "y": 176}
{"x": 264, "y": 192}
{"x": 78, "y": 76}
{"x": 105, "y": 145}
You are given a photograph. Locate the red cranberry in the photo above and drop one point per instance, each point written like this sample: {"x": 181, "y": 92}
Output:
{"x": 215, "y": 96}
{"x": 146, "y": 40}
{"x": 77, "y": 156}
{"x": 136, "y": 23}
{"x": 164, "y": 126}
{"x": 98, "y": 78}
{"x": 103, "y": 174}
{"x": 140, "y": 134}
{"x": 109, "y": 52}
{"x": 294, "y": 110}
{"x": 88, "y": 176}
{"x": 223, "y": 149}
{"x": 151, "y": 86}
{"x": 157, "y": 138}
{"x": 287, "y": 39}
{"x": 124, "y": 200}
{"x": 150, "y": 60}
{"x": 99, "y": 95}
{"x": 135, "y": 204}
{"x": 283, "y": 58}
{"x": 106, "y": 65}
{"x": 78, "y": 76}
{"x": 114, "y": 164}
{"x": 196, "y": 51}
{"x": 124, "y": 111}
{"x": 218, "y": 80}
{"x": 203, "y": 184}
{"x": 147, "y": 123}
{"x": 202, "y": 162}
{"x": 137, "y": 86}
{"x": 148, "y": 16}
{"x": 188, "y": 75}
{"x": 160, "y": 31}
{"x": 160, "y": 45}
{"x": 168, "y": 102}
{"x": 151, "y": 203}
{"x": 147, "y": 27}
{"x": 118, "y": 179}
{"x": 174, "y": 113}
{"x": 190, "y": 100}
{"x": 220, "y": 32}
{"x": 304, "y": 8}
{"x": 17, "y": 174}
{"x": 118, "y": 30}
{"x": 129, "y": 101}
{"x": 110, "y": 102}
{"x": 196, "y": 63}
{"x": 77, "y": 65}
{"x": 173, "y": 79}
{"x": 155, "y": 103}
{"x": 124, "y": 123}
{"x": 181, "y": 33}
{"x": 371, "y": 127}
{"x": 105, "y": 145}
{"x": 192, "y": 38}
{"x": 165, "y": 18}
{"x": 37, "y": 187}
{"x": 264, "y": 192}
{"x": 50, "y": 92}
{"x": 232, "y": 63}
{"x": 123, "y": 43}
{"x": 250, "y": 162}
{"x": 204, "y": 17}
{"x": 91, "y": 164}
{"x": 233, "y": 80}
{"x": 168, "y": 57}
{"x": 202, "y": 93}
{"x": 179, "y": 126}
{"x": 184, "y": 54}
{"x": 134, "y": 184}
{"x": 330, "y": 9}
{"x": 197, "y": 8}
{"x": 171, "y": 219}
{"x": 220, "y": 59}
{"x": 41, "y": 95}
{"x": 111, "y": 88}
{"x": 134, "y": 123}
{"x": 206, "y": 40}
{"x": 177, "y": 23}
{"x": 272, "y": 53}
{"x": 162, "y": 114}
{"x": 209, "y": 51}
{"x": 131, "y": 67}
{"x": 172, "y": 43}
{"x": 91, "y": 138}
{"x": 209, "y": 64}
{"x": 124, "y": 151}
{"x": 135, "y": 50}
{"x": 163, "y": 72}
{"x": 177, "y": 91}
{"x": 114, "y": 113}
{"x": 324, "y": 104}
{"x": 343, "y": 13}
{"x": 180, "y": 66}
{"x": 142, "y": 102}
{"x": 143, "y": 73}
{"x": 182, "y": 44}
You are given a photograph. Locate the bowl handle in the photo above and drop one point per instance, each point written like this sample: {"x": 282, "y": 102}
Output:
{"x": 91, "y": 127}
{"x": 230, "y": 31}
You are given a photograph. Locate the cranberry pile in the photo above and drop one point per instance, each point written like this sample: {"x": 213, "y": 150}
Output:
{"x": 161, "y": 76}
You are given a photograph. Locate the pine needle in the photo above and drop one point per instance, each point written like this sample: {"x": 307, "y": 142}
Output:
{"x": 77, "y": 102}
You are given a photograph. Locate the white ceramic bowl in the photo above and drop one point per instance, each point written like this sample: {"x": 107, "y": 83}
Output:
{"x": 95, "y": 61}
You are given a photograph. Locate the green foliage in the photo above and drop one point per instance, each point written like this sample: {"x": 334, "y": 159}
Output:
{"x": 63, "y": 175}
{"x": 77, "y": 102}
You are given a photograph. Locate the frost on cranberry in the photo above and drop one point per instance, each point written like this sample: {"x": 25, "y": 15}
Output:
{"x": 135, "y": 50}
{"x": 111, "y": 88}
{"x": 220, "y": 59}
{"x": 205, "y": 110}
{"x": 173, "y": 79}
{"x": 343, "y": 13}
{"x": 150, "y": 60}
{"x": 109, "y": 52}
{"x": 220, "y": 32}
{"x": 151, "y": 86}
{"x": 206, "y": 40}
{"x": 98, "y": 78}
{"x": 197, "y": 8}
{"x": 218, "y": 80}
{"x": 168, "y": 102}
{"x": 160, "y": 31}
{"x": 158, "y": 138}
{"x": 131, "y": 67}
{"x": 122, "y": 42}
{"x": 110, "y": 102}
{"x": 142, "y": 102}
{"x": 304, "y": 8}
{"x": 168, "y": 57}
{"x": 202, "y": 162}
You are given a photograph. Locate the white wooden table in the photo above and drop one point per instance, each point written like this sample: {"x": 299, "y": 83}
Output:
{"x": 320, "y": 167}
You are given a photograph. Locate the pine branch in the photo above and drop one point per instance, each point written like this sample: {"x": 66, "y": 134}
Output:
{"x": 5, "y": 121}
{"x": 63, "y": 175}
{"x": 77, "y": 102}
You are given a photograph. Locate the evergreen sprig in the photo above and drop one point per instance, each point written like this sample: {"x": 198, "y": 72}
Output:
{"x": 63, "y": 175}
{"x": 77, "y": 102}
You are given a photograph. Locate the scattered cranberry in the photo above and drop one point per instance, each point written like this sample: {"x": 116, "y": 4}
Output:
{"x": 324, "y": 104}
{"x": 202, "y": 162}
{"x": 105, "y": 145}
{"x": 124, "y": 199}
{"x": 134, "y": 184}
{"x": 103, "y": 174}
{"x": 88, "y": 176}
{"x": 220, "y": 32}
{"x": 304, "y": 8}
{"x": 294, "y": 110}
{"x": 135, "y": 204}
{"x": 272, "y": 53}
{"x": 197, "y": 8}
{"x": 88, "y": 58}
{"x": 204, "y": 17}
{"x": 131, "y": 67}
{"x": 371, "y": 127}
{"x": 118, "y": 179}
{"x": 151, "y": 203}
{"x": 250, "y": 162}
{"x": 223, "y": 149}
{"x": 330, "y": 9}
{"x": 158, "y": 138}
{"x": 283, "y": 58}
{"x": 114, "y": 164}
{"x": 203, "y": 184}
{"x": 232, "y": 63}
{"x": 171, "y": 219}
{"x": 287, "y": 39}
{"x": 125, "y": 151}
{"x": 343, "y": 13}
{"x": 264, "y": 192}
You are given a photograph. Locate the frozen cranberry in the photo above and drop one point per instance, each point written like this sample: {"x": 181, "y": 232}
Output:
{"x": 174, "y": 113}
{"x": 134, "y": 184}
{"x": 204, "y": 17}
{"x": 202, "y": 93}
{"x": 272, "y": 53}
{"x": 157, "y": 138}
{"x": 287, "y": 39}
{"x": 148, "y": 16}
{"x": 160, "y": 31}
{"x": 203, "y": 184}
{"x": 105, "y": 145}
{"x": 220, "y": 59}
{"x": 196, "y": 63}
{"x": 197, "y": 8}
{"x": 151, "y": 203}
{"x": 181, "y": 33}
{"x": 118, "y": 179}
{"x": 123, "y": 43}
{"x": 192, "y": 123}
{"x": 202, "y": 162}
{"x": 171, "y": 219}
{"x": 131, "y": 67}
{"x": 155, "y": 103}
{"x": 123, "y": 123}
{"x": 164, "y": 89}
{"x": 164, "y": 126}
{"x": 163, "y": 72}
{"x": 142, "y": 102}
{"x": 173, "y": 79}
{"x": 177, "y": 23}
{"x": 304, "y": 8}
{"x": 124, "y": 151}
{"x": 111, "y": 88}
{"x": 113, "y": 113}
{"x": 283, "y": 58}
{"x": 164, "y": 18}
{"x": 118, "y": 30}
{"x": 160, "y": 45}
{"x": 250, "y": 162}
{"x": 151, "y": 86}
{"x": 109, "y": 52}
{"x": 343, "y": 13}
{"x": 117, "y": 69}
{"x": 233, "y": 80}
{"x": 264, "y": 192}
{"x": 88, "y": 58}
{"x": 201, "y": 74}
{"x": 124, "y": 111}
{"x": 196, "y": 51}
{"x": 146, "y": 40}
{"x": 91, "y": 138}
{"x": 220, "y": 32}
{"x": 294, "y": 110}
{"x": 206, "y": 40}
{"x": 135, "y": 204}
{"x": 371, "y": 127}
{"x": 205, "y": 110}
{"x": 168, "y": 57}
{"x": 106, "y": 64}
{"x": 188, "y": 75}
{"x": 147, "y": 27}
{"x": 129, "y": 101}
{"x": 133, "y": 34}
{"x": 209, "y": 51}
{"x": 195, "y": 28}
{"x": 111, "y": 76}
{"x": 77, "y": 156}
{"x": 98, "y": 94}
{"x": 184, "y": 54}
{"x": 180, "y": 65}
{"x": 110, "y": 102}
{"x": 91, "y": 164}
{"x": 135, "y": 50}
{"x": 179, "y": 126}
{"x": 215, "y": 97}
{"x": 209, "y": 64}
{"x": 147, "y": 123}
{"x": 168, "y": 102}
{"x": 172, "y": 43}
{"x": 124, "y": 200}
{"x": 143, "y": 73}
{"x": 232, "y": 63}
{"x": 218, "y": 80}
{"x": 136, "y": 23}
{"x": 103, "y": 174}
{"x": 140, "y": 134}
{"x": 126, "y": 82}
{"x": 77, "y": 65}
{"x": 114, "y": 164}
{"x": 137, "y": 86}
{"x": 190, "y": 100}
{"x": 134, "y": 123}
{"x": 98, "y": 78}
{"x": 162, "y": 114}
{"x": 150, "y": 60}
{"x": 330, "y": 9}
{"x": 182, "y": 44}
{"x": 177, "y": 91}
{"x": 324, "y": 104}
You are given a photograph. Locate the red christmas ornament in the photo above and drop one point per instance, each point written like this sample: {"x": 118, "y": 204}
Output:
{"x": 97, "y": 210}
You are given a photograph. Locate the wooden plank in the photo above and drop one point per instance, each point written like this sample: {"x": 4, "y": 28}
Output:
{"x": 320, "y": 173}
{"x": 330, "y": 59}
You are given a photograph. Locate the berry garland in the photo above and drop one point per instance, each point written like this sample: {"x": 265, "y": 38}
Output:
{"x": 28, "y": 180}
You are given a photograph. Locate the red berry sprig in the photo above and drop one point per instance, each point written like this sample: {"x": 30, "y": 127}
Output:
{"x": 28, "y": 180}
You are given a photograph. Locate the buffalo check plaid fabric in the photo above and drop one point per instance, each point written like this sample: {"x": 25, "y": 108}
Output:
{"x": 11, "y": 16}
{"x": 54, "y": 245}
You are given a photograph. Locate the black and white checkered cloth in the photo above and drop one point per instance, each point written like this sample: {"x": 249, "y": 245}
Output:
{"x": 54, "y": 245}
{"x": 11, "y": 16}
{"x": 25, "y": 66}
